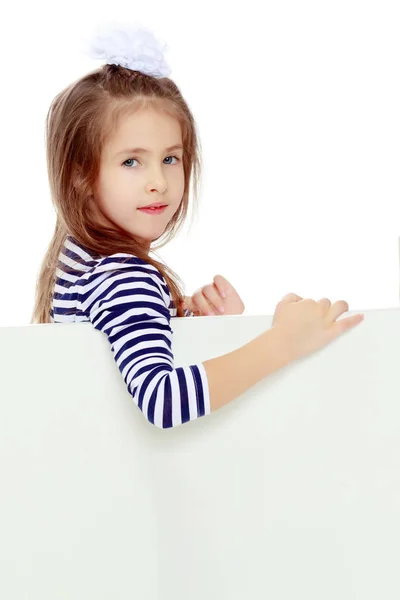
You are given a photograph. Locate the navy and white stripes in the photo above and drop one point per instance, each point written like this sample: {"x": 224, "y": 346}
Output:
{"x": 129, "y": 301}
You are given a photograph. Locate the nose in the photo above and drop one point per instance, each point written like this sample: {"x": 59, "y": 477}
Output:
{"x": 157, "y": 183}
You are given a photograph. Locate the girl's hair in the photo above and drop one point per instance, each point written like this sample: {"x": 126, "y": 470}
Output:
{"x": 78, "y": 122}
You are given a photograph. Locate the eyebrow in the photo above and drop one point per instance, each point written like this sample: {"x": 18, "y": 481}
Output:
{"x": 144, "y": 151}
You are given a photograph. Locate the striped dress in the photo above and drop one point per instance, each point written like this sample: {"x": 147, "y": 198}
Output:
{"x": 129, "y": 301}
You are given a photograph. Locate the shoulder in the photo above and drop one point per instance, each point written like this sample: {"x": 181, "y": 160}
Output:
{"x": 99, "y": 276}
{"x": 127, "y": 278}
{"x": 126, "y": 264}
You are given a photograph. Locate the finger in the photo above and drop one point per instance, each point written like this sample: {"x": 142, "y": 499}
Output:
{"x": 290, "y": 298}
{"x": 337, "y": 309}
{"x": 345, "y": 324}
{"x": 325, "y": 304}
{"x": 195, "y": 310}
{"x": 203, "y": 305}
{"x": 222, "y": 285}
{"x": 187, "y": 304}
{"x": 192, "y": 306}
{"x": 213, "y": 296}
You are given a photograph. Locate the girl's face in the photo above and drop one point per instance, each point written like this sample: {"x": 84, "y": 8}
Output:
{"x": 131, "y": 179}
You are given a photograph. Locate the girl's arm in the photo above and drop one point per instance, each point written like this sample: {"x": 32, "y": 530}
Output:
{"x": 128, "y": 304}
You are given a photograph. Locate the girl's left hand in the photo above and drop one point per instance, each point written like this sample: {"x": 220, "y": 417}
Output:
{"x": 207, "y": 300}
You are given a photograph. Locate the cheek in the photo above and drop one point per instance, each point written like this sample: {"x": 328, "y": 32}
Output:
{"x": 114, "y": 195}
{"x": 178, "y": 183}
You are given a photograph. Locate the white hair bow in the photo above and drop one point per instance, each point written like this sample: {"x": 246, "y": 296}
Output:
{"x": 131, "y": 47}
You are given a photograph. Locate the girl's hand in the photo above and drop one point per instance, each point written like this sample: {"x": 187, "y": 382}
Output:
{"x": 209, "y": 299}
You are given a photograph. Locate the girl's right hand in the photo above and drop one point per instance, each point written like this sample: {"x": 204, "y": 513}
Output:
{"x": 307, "y": 326}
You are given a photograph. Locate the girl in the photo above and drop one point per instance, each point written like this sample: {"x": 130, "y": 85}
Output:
{"x": 121, "y": 152}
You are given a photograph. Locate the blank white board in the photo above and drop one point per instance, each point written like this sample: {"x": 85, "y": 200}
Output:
{"x": 291, "y": 491}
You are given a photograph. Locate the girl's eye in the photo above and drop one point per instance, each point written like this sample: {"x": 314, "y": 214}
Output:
{"x": 130, "y": 159}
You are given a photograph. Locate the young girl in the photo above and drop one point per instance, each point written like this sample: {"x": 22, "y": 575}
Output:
{"x": 121, "y": 152}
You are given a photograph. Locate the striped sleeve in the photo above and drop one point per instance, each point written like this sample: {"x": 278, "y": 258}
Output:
{"x": 126, "y": 303}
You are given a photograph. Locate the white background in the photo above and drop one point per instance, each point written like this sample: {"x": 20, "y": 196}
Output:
{"x": 297, "y": 106}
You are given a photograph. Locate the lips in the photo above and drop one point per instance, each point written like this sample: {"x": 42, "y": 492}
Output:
{"x": 155, "y": 210}
{"x": 154, "y": 205}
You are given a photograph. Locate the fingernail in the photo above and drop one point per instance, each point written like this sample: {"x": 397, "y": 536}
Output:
{"x": 221, "y": 309}
{"x": 223, "y": 294}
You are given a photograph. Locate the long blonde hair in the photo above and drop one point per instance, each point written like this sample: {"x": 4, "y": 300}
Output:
{"x": 78, "y": 122}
